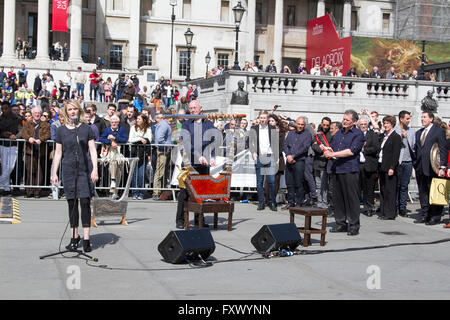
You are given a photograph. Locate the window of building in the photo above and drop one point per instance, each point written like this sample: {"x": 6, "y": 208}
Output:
{"x": 85, "y": 51}
{"x": 222, "y": 59}
{"x": 224, "y": 10}
{"x": 354, "y": 20}
{"x": 85, "y": 4}
{"x": 147, "y": 8}
{"x": 182, "y": 63}
{"x": 117, "y": 4}
{"x": 386, "y": 22}
{"x": 257, "y": 60}
{"x": 258, "y": 13}
{"x": 290, "y": 18}
{"x": 115, "y": 56}
{"x": 186, "y": 9}
{"x": 146, "y": 57}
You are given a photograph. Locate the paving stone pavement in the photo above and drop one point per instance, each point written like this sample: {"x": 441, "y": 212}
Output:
{"x": 130, "y": 266}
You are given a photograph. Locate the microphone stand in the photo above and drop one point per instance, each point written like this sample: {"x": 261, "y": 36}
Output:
{"x": 75, "y": 205}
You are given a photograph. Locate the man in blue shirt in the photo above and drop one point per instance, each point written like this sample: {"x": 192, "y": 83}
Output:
{"x": 406, "y": 159}
{"x": 197, "y": 153}
{"x": 163, "y": 136}
{"x": 111, "y": 137}
{"x": 346, "y": 146}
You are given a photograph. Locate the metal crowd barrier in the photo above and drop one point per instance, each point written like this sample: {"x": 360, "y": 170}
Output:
{"x": 33, "y": 171}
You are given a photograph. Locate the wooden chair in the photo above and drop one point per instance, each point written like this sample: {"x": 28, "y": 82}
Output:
{"x": 309, "y": 212}
{"x": 208, "y": 207}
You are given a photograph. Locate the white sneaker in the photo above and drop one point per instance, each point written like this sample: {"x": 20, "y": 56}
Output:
{"x": 135, "y": 198}
{"x": 139, "y": 198}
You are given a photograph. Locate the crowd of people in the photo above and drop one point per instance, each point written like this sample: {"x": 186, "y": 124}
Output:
{"x": 328, "y": 70}
{"x": 337, "y": 165}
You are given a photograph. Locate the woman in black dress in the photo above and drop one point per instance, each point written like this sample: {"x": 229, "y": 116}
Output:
{"x": 75, "y": 140}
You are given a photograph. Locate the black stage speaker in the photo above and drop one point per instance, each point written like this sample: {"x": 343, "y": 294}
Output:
{"x": 187, "y": 244}
{"x": 273, "y": 237}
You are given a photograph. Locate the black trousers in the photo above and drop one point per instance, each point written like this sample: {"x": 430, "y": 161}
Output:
{"x": 388, "y": 194}
{"x": 429, "y": 212}
{"x": 368, "y": 180}
{"x": 346, "y": 200}
{"x": 74, "y": 215}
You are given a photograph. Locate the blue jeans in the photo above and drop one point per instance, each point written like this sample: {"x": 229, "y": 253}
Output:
{"x": 138, "y": 180}
{"x": 404, "y": 176}
{"x": 80, "y": 89}
{"x": 265, "y": 169}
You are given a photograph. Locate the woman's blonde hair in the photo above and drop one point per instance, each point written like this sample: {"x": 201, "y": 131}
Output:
{"x": 76, "y": 104}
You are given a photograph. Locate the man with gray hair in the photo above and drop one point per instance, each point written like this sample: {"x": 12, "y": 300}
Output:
{"x": 346, "y": 146}
{"x": 35, "y": 133}
{"x": 368, "y": 164}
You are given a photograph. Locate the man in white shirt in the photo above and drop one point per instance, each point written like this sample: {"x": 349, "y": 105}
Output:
{"x": 315, "y": 71}
{"x": 80, "y": 80}
{"x": 263, "y": 153}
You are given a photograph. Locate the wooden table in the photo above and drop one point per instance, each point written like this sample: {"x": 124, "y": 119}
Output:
{"x": 215, "y": 207}
{"x": 309, "y": 212}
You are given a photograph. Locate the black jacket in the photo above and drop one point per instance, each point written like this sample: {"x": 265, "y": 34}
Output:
{"x": 371, "y": 151}
{"x": 391, "y": 152}
{"x": 254, "y": 139}
{"x": 422, "y": 162}
{"x": 320, "y": 162}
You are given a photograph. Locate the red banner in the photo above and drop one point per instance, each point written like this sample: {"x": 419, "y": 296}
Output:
{"x": 323, "y": 46}
{"x": 60, "y": 15}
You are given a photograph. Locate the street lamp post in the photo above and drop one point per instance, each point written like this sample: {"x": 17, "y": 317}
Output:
{"x": 207, "y": 60}
{"x": 238, "y": 12}
{"x": 173, "y": 3}
{"x": 188, "y": 36}
{"x": 422, "y": 63}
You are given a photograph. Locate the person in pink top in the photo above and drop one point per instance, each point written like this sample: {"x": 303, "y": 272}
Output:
{"x": 108, "y": 90}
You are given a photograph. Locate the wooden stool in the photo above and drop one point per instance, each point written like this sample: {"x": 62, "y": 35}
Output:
{"x": 308, "y": 212}
{"x": 208, "y": 207}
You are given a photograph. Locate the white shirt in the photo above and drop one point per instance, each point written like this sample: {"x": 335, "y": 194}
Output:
{"x": 314, "y": 72}
{"x": 362, "y": 158}
{"x": 427, "y": 129}
{"x": 264, "y": 141}
{"x": 380, "y": 159}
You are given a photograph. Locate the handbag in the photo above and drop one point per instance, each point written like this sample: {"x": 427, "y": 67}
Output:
{"x": 439, "y": 192}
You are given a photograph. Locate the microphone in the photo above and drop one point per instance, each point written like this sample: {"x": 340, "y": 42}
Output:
{"x": 75, "y": 120}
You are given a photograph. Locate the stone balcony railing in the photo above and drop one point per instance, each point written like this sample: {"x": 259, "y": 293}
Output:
{"x": 317, "y": 96}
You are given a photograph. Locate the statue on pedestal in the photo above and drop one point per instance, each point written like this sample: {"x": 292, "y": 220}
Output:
{"x": 240, "y": 96}
{"x": 429, "y": 103}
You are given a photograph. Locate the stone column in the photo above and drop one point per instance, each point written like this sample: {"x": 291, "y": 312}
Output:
{"x": 320, "y": 8}
{"x": 251, "y": 9}
{"x": 9, "y": 29}
{"x": 75, "y": 31}
{"x": 42, "y": 31}
{"x": 133, "y": 44}
{"x": 100, "y": 21}
{"x": 347, "y": 17}
{"x": 278, "y": 35}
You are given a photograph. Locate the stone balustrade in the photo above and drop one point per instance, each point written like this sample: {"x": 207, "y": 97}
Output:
{"x": 317, "y": 96}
